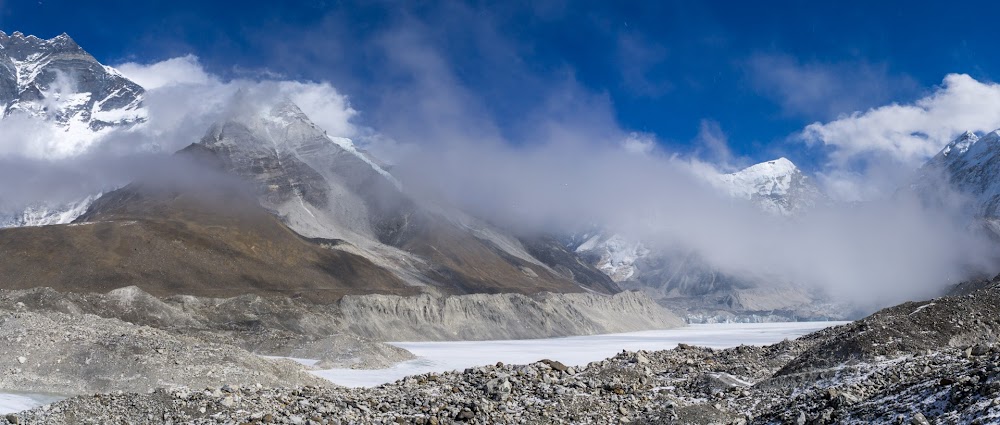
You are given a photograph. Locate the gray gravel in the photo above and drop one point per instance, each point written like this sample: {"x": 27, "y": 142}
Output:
{"x": 74, "y": 354}
{"x": 689, "y": 385}
{"x": 930, "y": 362}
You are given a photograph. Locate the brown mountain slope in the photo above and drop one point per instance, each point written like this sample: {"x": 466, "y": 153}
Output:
{"x": 293, "y": 166}
{"x": 169, "y": 242}
{"x": 472, "y": 265}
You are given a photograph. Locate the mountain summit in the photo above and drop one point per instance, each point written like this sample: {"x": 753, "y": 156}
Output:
{"x": 683, "y": 280}
{"x": 324, "y": 188}
{"x": 965, "y": 173}
{"x": 969, "y": 164}
{"x": 777, "y": 186}
{"x": 58, "y": 82}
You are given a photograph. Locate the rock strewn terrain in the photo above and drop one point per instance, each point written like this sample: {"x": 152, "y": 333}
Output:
{"x": 74, "y": 354}
{"x": 687, "y": 385}
{"x": 891, "y": 367}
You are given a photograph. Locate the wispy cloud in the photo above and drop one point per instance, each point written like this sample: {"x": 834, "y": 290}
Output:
{"x": 818, "y": 90}
{"x": 558, "y": 156}
{"x": 715, "y": 144}
{"x": 182, "y": 100}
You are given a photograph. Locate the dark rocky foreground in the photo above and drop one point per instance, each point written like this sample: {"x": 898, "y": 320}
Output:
{"x": 929, "y": 362}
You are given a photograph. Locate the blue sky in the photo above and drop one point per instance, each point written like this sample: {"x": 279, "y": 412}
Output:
{"x": 751, "y": 74}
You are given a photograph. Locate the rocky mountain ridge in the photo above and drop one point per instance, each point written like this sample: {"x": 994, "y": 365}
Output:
{"x": 965, "y": 171}
{"x": 58, "y": 83}
{"x": 324, "y": 188}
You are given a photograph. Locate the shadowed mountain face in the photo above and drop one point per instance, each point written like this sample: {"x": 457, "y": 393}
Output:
{"x": 211, "y": 242}
{"x": 965, "y": 173}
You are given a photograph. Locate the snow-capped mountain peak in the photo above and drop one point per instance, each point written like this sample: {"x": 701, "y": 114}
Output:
{"x": 968, "y": 165}
{"x": 57, "y": 82}
{"x": 960, "y": 145}
{"x": 767, "y": 178}
{"x": 776, "y": 186}
{"x": 285, "y": 129}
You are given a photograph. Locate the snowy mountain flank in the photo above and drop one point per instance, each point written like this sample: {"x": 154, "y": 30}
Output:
{"x": 681, "y": 279}
{"x": 71, "y": 101}
{"x": 57, "y": 82}
{"x": 969, "y": 165}
{"x": 44, "y": 214}
{"x": 777, "y": 187}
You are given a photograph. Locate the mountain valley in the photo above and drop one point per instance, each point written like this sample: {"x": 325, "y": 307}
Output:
{"x": 192, "y": 292}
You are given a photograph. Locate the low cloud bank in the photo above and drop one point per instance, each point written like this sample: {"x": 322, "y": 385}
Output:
{"x": 572, "y": 166}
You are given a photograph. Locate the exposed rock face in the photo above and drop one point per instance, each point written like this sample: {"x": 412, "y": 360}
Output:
{"x": 323, "y": 187}
{"x": 59, "y": 83}
{"x": 502, "y": 316}
{"x": 277, "y": 326}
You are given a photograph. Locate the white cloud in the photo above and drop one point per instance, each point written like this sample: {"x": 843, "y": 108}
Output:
{"x": 824, "y": 90}
{"x": 184, "y": 100}
{"x": 639, "y": 143}
{"x": 176, "y": 71}
{"x": 327, "y": 107}
{"x": 911, "y": 133}
{"x": 714, "y": 140}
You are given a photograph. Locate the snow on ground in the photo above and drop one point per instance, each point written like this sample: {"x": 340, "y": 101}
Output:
{"x": 573, "y": 351}
{"x": 16, "y": 402}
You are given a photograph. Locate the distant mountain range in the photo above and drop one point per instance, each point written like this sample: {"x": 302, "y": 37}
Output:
{"x": 683, "y": 280}
{"x": 317, "y": 217}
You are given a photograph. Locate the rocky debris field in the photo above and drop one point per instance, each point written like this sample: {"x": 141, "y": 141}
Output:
{"x": 67, "y": 354}
{"x": 684, "y": 385}
{"x": 916, "y": 363}
{"x": 348, "y": 333}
